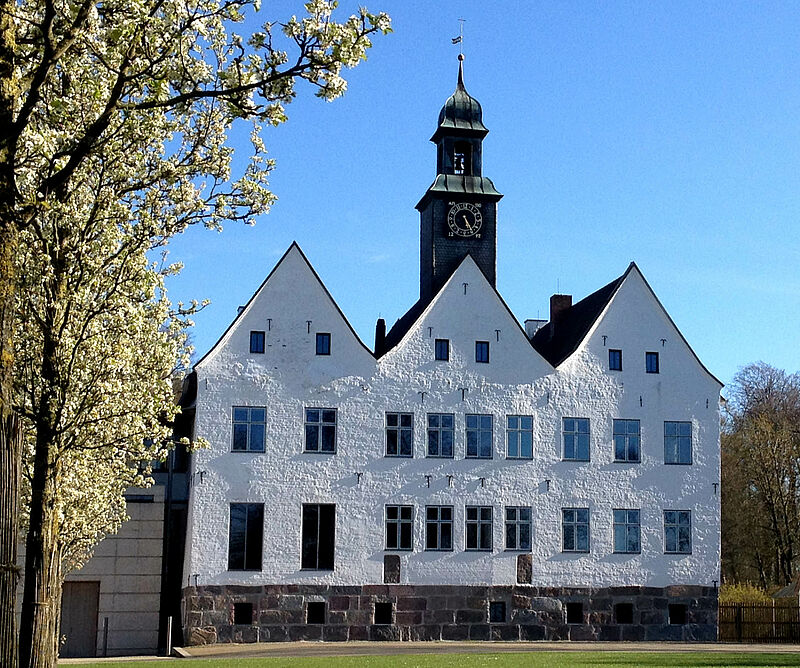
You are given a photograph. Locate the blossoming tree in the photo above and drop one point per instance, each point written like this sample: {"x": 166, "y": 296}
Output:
{"x": 114, "y": 136}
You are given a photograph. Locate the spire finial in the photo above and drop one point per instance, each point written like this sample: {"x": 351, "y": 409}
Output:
{"x": 460, "y": 41}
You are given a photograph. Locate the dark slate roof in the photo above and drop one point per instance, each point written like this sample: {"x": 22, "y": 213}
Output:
{"x": 403, "y": 324}
{"x": 574, "y": 324}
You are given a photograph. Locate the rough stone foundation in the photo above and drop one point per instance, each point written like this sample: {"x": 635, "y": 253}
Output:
{"x": 448, "y": 612}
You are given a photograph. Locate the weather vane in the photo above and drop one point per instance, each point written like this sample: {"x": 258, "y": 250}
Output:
{"x": 460, "y": 39}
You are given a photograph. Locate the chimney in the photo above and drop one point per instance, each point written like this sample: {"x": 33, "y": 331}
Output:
{"x": 380, "y": 337}
{"x": 533, "y": 325}
{"x": 559, "y": 305}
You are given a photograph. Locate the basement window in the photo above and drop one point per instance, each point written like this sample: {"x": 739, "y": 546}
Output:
{"x": 383, "y": 612}
{"x": 497, "y": 612}
{"x": 574, "y": 613}
{"x": 315, "y": 612}
{"x": 242, "y": 613}
{"x": 623, "y": 613}
{"x": 677, "y": 613}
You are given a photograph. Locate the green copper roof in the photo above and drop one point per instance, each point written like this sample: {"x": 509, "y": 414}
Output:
{"x": 461, "y": 111}
{"x": 478, "y": 186}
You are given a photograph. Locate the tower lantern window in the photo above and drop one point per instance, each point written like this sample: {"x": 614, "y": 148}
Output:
{"x": 462, "y": 154}
{"x": 458, "y": 163}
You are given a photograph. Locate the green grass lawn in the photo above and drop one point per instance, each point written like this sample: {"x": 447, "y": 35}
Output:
{"x": 566, "y": 659}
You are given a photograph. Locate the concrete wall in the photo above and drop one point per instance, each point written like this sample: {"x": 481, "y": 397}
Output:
{"x": 290, "y": 376}
{"x": 128, "y": 567}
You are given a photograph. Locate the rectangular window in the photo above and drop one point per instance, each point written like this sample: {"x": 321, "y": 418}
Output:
{"x": 678, "y": 531}
{"x": 249, "y": 426}
{"x": 442, "y": 349}
{"x": 575, "y": 529}
{"x": 615, "y": 360}
{"x": 315, "y": 612}
{"x": 479, "y": 436}
{"x": 439, "y": 527}
{"x": 623, "y": 613}
{"x": 479, "y": 528}
{"x": 482, "y": 352}
{"x": 576, "y": 439}
{"x": 518, "y": 528}
{"x": 246, "y": 536}
{"x": 458, "y": 162}
{"x": 257, "y": 342}
{"x": 383, "y": 612}
{"x": 651, "y": 362}
{"x": 519, "y": 436}
{"x": 319, "y": 536}
{"x": 627, "y": 531}
{"x": 323, "y": 343}
{"x": 626, "y": 440}
{"x": 320, "y": 430}
{"x": 677, "y": 613}
{"x": 399, "y": 434}
{"x": 440, "y": 435}
{"x": 574, "y": 613}
{"x": 242, "y": 613}
{"x": 497, "y": 612}
{"x": 677, "y": 442}
{"x": 399, "y": 527}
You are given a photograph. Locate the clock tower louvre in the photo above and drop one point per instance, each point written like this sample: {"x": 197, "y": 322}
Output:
{"x": 458, "y": 213}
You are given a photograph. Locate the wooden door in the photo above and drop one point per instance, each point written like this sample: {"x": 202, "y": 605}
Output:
{"x": 79, "y": 608}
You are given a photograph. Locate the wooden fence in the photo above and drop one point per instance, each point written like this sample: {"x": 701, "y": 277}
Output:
{"x": 778, "y": 621}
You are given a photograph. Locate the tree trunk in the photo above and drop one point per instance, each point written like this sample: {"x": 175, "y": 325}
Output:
{"x": 10, "y": 441}
{"x": 10, "y": 451}
{"x": 41, "y": 598}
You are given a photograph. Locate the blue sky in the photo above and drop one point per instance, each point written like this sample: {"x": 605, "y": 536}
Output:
{"x": 664, "y": 133}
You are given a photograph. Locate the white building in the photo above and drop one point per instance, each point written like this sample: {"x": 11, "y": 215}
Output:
{"x": 471, "y": 478}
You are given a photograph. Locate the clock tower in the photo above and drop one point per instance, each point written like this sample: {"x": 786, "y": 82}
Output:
{"x": 458, "y": 213}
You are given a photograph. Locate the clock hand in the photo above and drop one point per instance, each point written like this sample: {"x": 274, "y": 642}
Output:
{"x": 466, "y": 220}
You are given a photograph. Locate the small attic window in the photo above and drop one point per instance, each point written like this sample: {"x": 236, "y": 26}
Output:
{"x": 257, "y": 342}
{"x": 323, "y": 343}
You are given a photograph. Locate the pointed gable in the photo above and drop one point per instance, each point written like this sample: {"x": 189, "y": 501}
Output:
{"x": 628, "y": 307}
{"x": 464, "y": 314}
{"x": 291, "y": 306}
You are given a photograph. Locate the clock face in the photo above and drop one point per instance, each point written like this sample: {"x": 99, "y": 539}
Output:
{"x": 464, "y": 220}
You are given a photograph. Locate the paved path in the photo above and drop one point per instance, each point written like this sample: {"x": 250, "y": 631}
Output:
{"x": 286, "y": 649}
